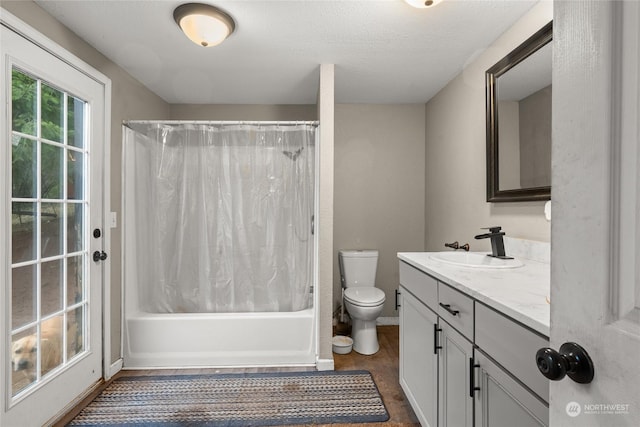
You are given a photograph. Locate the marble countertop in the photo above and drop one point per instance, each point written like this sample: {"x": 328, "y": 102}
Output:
{"x": 520, "y": 293}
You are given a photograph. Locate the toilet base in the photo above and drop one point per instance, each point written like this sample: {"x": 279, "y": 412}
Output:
{"x": 365, "y": 336}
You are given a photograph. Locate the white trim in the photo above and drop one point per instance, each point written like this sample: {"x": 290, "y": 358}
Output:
{"x": 25, "y": 30}
{"x": 106, "y": 229}
{"x": 114, "y": 369}
{"x": 324, "y": 364}
{"x": 39, "y": 39}
{"x": 316, "y": 247}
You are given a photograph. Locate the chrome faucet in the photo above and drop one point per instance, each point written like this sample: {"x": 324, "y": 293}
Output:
{"x": 497, "y": 243}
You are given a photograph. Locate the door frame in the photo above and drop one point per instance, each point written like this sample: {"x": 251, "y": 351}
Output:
{"x": 109, "y": 367}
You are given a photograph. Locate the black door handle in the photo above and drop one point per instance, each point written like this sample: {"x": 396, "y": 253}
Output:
{"x": 572, "y": 360}
{"x": 449, "y": 309}
{"x": 397, "y": 294}
{"x": 436, "y": 347}
{"x": 99, "y": 256}
{"x": 472, "y": 377}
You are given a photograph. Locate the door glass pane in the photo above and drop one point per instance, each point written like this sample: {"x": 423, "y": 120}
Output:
{"x": 23, "y": 168}
{"x": 23, "y": 359}
{"x": 24, "y": 103}
{"x": 75, "y": 231}
{"x": 75, "y": 273}
{"x": 75, "y": 120}
{"x": 23, "y": 294}
{"x": 51, "y": 287}
{"x": 51, "y": 224}
{"x": 23, "y": 231}
{"x": 52, "y": 111}
{"x": 75, "y": 323}
{"x": 75, "y": 175}
{"x": 51, "y": 341}
{"x": 52, "y": 166}
{"x": 49, "y": 205}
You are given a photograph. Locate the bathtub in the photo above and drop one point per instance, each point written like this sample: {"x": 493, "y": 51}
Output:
{"x": 182, "y": 340}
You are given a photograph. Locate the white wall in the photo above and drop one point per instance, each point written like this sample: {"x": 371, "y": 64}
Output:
{"x": 325, "y": 222}
{"x": 243, "y": 112}
{"x": 455, "y": 194}
{"x": 379, "y": 187}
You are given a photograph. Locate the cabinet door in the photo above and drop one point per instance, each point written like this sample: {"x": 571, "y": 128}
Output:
{"x": 418, "y": 359}
{"x": 501, "y": 401}
{"x": 455, "y": 407}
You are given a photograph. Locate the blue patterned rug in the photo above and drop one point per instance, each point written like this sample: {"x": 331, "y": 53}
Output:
{"x": 234, "y": 400}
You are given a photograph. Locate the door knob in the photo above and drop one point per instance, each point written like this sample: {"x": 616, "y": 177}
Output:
{"x": 99, "y": 256}
{"x": 572, "y": 360}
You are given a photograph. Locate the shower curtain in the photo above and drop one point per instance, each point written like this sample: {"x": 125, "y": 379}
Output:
{"x": 223, "y": 216}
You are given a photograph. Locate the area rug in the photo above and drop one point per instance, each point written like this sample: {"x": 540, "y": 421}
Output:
{"x": 234, "y": 400}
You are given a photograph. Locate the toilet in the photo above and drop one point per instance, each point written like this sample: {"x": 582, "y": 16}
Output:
{"x": 362, "y": 300}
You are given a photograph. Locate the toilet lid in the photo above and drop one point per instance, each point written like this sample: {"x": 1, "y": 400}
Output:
{"x": 365, "y": 296}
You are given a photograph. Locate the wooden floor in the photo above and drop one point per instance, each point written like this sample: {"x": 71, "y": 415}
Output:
{"x": 383, "y": 366}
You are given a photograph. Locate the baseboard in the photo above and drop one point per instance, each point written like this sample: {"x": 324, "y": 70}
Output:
{"x": 388, "y": 321}
{"x": 114, "y": 369}
{"x": 324, "y": 364}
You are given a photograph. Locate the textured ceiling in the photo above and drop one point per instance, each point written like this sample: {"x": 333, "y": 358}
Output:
{"x": 384, "y": 51}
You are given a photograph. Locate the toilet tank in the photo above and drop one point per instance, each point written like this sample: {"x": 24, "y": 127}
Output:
{"x": 358, "y": 267}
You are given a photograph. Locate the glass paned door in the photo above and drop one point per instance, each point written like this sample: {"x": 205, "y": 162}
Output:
{"x": 52, "y": 144}
{"x": 48, "y": 207}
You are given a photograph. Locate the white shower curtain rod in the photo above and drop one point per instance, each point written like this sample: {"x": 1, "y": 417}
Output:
{"x": 222, "y": 122}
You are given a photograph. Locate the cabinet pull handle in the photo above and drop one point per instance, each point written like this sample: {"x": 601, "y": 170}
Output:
{"x": 397, "y": 293}
{"x": 472, "y": 377}
{"x": 449, "y": 309}
{"x": 436, "y": 347}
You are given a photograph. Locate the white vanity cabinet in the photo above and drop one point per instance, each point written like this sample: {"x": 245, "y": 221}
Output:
{"x": 434, "y": 357}
{"x": 463, "y": 363}
{"x": 501, "y": 401}
{"x": 510, "y": 391}
{"x": 418, "y": 357}
{"x": 418, "y": 362}
{"x": 455, "y": 404}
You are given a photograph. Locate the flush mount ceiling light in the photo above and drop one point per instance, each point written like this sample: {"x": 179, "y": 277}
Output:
{"x": 205, "y": 25}
{"x": 422, "y": 4}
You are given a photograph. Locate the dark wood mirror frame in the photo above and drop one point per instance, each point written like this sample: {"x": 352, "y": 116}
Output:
{"x": 519, "y": 54}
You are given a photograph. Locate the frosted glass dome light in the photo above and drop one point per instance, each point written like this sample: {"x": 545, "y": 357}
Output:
{"x": 422, "y": 4}
{"x": 203, "y": 24}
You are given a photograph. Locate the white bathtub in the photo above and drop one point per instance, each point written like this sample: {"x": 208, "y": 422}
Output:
{"x": 158, "y": 340}
{"x": 219, "y": 340}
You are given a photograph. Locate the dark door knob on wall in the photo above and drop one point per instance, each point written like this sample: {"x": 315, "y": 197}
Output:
{"x": 572, "y": 361}
{"x": 99, "y": 256}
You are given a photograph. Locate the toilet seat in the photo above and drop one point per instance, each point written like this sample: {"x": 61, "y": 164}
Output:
{"x": 364, "y": 296}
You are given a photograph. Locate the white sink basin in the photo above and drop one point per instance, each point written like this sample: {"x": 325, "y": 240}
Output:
{"x": 475, "y": 260}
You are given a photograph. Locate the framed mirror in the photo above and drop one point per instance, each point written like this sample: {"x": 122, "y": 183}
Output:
{"x": 518, "y": 103}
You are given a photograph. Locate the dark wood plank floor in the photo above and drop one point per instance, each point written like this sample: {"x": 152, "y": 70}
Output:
{"x": 383, "y": 366}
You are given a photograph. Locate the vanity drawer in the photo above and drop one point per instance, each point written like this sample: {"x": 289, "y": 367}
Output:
{"x": 513, "y": 346}
{"x": 456, "y": 309}
{"x": 423, "y": 286}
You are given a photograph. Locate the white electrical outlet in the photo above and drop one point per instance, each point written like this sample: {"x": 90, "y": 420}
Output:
{"x": 114, "y": 219}
{"x": 547, "y": 210}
